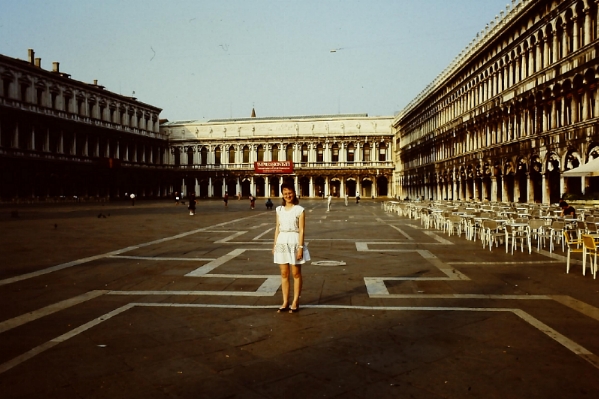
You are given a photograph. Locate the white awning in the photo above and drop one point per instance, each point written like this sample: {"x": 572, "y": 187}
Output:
{"x": 589, "y": 169}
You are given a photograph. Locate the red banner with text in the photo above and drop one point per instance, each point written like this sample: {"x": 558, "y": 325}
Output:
{"x": 272, "y": 167}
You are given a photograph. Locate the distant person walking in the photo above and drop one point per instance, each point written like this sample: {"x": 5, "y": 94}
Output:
{"x": 289, "y": 249}
{"x": 346, "y": 199}
{"x": 329, "y": 200}
{"x": 192, "y": 204}
{"x": 132, "y": 196}
{"x": 357, "y": 197}
{"x": 252, "y": 201}
{"x": 226, "y": 198}
{"x": 177, "y": 198}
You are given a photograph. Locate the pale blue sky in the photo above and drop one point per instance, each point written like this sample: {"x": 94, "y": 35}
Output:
{"x": 201, "y": 59}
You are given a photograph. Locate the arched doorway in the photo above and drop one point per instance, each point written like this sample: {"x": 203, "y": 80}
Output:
{"x": 274, "y": 187}
{"x": 203, "y": 188}
{"x": 366, "y": 188}
{"x": 335, "y": 189}
{"x": 382, "y": 185}
{"x": 553, "y": 178}
{"x": 536, "y": 179}
{"x": 304, "y": 187}
{"x": 259, "y": 183}
{"x": 522, "y": 181}
{"x": 232, "y": 186}
{"x": 246, "y": 188}
{"x": 350, "y": 187}
{"x": 217, "y": 185}
{"x": 319, "y": 186}
{"x": 574, "y": 184}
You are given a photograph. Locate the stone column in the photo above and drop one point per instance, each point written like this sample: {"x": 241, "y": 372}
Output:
{"x": 586, "y": 105}
{"x": 252, "y": 186}
{"x": 47, "y": 142}
{"x": 504, "y": 192}
{"x": 296, "y": 184}
{"x": 484, "y": 191}
{"x": 311, "y": 194}
{"x": 454, "y": 193}
{"x": 516, "y": 188}
{"x": 555, "y": 46}
{"x": 531, "y": 193}
{"x": 210, "y": 188}
{"x": 267, "y": 187}
{"x": 574, "y": 107}
{"x": 575, "y": 30}
{"x": 32, "y": 139}
{"x": 545, "y": 188}
{"x": 494, "y": 189}
{"x": 565, "y": 40}
{"x": 374, "y": 192}
{"x": 238, "y": 186}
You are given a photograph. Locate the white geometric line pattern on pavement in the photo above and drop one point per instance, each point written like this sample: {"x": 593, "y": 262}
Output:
{"x": 159, "y": 258}
{"x": 408, "y": 237}
{"x": 450, "y": 272}
{"x": 48, "y": 310}
{"x": 208, "y": 267}
{"x": 437, "y": 238}
{"x": 112, "y": 253}
{"x": 569, "y": 344}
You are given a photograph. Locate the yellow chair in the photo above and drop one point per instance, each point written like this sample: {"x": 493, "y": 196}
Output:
{"x": 573, "y": 246}
{"x": 590, "y": 249}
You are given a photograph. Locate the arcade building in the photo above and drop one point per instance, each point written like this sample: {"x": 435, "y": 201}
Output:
{"x": 336, "y": 154}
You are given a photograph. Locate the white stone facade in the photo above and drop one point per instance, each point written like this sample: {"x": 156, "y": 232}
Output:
{"x": 336, "y": 154}
{"x": 513, "y": 111}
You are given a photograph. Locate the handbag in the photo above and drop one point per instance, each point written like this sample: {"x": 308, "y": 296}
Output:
{"x": 306, "y": 252}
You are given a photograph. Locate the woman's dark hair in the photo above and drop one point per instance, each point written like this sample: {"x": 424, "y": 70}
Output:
{"x": 291, "y": 187}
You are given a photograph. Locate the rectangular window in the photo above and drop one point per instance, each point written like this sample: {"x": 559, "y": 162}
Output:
{"x": 382, "y": 154}
{"x": 5, "y": 87}
{"x": 24, "y": 93}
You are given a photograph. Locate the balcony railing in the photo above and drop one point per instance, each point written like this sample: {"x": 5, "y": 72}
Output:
{"x": 74, "y": 117}
{"x": 296, "y": 165}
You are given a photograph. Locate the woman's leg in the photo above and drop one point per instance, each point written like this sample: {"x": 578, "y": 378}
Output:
{"x": 297, "y": 285}
{"x": 285, "y": 284}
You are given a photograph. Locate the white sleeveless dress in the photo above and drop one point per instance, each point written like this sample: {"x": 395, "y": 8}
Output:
{"x": 288, "y": 239}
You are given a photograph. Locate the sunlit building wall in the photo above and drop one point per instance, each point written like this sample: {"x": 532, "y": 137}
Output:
{"x": 511, "y": 113}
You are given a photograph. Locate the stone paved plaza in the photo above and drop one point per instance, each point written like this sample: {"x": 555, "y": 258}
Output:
{"x": 146, "y": 301}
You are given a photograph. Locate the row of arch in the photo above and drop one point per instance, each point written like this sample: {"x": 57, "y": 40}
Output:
{"x": 306, "y": 185}
{"x": 235, "y": 154}
{"x": 550, "y": 108}
{"x": 533, "y": 178}
{"x": 567, "y": 31}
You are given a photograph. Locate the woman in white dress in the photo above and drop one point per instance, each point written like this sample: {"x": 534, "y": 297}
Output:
{"x": 288, "y": 250}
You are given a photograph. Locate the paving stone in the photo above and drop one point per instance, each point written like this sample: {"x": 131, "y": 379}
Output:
{"x": 232, "y": 343}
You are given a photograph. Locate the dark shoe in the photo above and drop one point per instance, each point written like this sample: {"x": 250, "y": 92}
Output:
{"x": 281, "y": 310}
{"x": 291, "y": 310}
